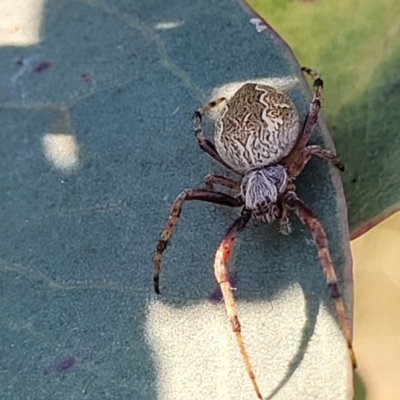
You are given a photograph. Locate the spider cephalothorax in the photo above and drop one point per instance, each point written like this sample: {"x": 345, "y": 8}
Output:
{"x": 258, "y": 136}
{"x": 261, "y": 188}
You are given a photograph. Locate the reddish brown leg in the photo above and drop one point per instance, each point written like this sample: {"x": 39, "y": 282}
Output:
{"x": 222, "y": 277}
{"x": 325, "y": 154}
{"x": 294, "y": 157}
{"x": 210, "y": 180}
{"x": 186, "y": 195}
{"x": 211, "y": 105}
{"x": 315, "y": 106}
{"x": 317, "y": 231}
{"x": 309, "y": 151}
{"x": 284, "y": 224}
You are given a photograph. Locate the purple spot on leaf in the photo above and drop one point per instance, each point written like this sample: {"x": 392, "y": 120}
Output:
{"x": 43, "y": 66}
{"x": 87, "y": 77}
{"x": 63, "y": 366}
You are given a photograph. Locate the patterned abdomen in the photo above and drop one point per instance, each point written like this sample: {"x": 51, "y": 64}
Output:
{"x": 257, "y": 127}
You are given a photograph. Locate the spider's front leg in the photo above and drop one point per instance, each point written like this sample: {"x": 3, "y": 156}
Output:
{"x": 301, "y": 153}
{"x": 318, "y": 233}
{"x": 222, "y": 277}
{"x": 186, "y": 195}
{"x": 325, "y": 154}
{"x": 315, "y": 106}
{"x": 211, "y": 180}
{"x": 313, "y": 150}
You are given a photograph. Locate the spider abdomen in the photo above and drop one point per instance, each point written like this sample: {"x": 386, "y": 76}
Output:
{"x": 257, "y": 127}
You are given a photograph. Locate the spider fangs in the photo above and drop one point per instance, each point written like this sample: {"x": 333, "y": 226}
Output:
{"x": 258, "y": 135}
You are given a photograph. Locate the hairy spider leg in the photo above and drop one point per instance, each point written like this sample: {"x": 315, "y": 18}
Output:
{"x": 211, "y": 105}
{"x": 205, "y": 144}
{"x": 309, "y": 151}
{"x": 186, "y": 195}
{"x": 318, "y": 233}
{"x": 312, "y": 114}
{"x": 299, "y": 156}
{"x": 327, "y": 155}
{"x": 222, "y": 277}
{"x": 212, "y": 179}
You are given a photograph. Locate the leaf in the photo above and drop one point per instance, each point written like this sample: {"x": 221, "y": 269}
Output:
{"x": 95, "y": 148}
{"x": 358, "y": 57}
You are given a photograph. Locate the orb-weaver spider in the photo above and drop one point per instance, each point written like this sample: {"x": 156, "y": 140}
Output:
{"x": 258, "y": 135}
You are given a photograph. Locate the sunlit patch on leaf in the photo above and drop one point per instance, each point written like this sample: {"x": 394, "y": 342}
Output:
{"x": 61, "y": 150}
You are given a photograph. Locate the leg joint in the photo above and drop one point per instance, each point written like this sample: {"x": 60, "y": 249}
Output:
{"x": 235, "y": 324}
{"x": 318, "y": 82}
{"x": 334, "y": 290}
{"x": 162, "y": 245}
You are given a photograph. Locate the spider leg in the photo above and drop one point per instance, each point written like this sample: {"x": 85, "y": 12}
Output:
{"x": 211, "y": 179}
{"x": 292, "y": 159}
{"x": 205, "y": 144}
{"x": 325, "y": 154}
{"x": 221, "y": 275}
{"x": 186, "y": 195}
{"x": 211, "y": 105}
{"x": 284, "y": 224}
{"x": 317, "y": 231}
{"x": 309, "y": 151}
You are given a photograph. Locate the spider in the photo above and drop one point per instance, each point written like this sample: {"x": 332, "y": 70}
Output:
{"x": 258, "y": 136}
